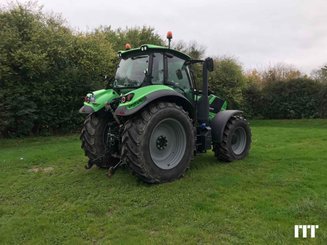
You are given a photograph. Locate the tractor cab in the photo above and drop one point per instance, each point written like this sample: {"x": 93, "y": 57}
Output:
{"x": 154, "y": 65}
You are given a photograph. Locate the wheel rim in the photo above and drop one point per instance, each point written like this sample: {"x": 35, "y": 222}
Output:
{"x": 238, "y": 141}
{"x": 167, "y": 143}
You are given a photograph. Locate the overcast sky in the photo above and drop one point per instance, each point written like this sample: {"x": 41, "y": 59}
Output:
{"x": 256, "y": 32}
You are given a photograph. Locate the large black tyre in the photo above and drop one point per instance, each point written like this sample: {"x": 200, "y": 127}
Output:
{"x": 94, "y": 141}
{"x": 236, "y": 140}
{"x": 158, "y": 144}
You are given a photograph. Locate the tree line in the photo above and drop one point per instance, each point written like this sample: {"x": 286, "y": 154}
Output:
{"x": 46, "y": 68}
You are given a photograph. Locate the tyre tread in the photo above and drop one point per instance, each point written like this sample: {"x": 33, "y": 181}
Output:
{"x": 131, "y": 141}
{"x": 222, "y": 152}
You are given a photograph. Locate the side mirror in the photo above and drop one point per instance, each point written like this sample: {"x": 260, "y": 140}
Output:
{"x": 108, "y": 80}
{"x": 179, "y": 74}
{"x": 209, "y": 63}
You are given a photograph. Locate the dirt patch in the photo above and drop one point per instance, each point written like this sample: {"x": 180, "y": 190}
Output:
{"x": 41, "y": 170}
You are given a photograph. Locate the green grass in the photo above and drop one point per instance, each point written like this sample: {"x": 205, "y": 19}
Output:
{"x": 47, "y": 197}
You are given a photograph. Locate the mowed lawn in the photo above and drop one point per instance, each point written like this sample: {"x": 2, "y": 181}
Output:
{"x": 47, "y": 197}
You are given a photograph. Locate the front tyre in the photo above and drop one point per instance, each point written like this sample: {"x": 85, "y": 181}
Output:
{"x": 94, "y": 137}
{"x": 158, "y": 144}
{"x": 236, "y": 140}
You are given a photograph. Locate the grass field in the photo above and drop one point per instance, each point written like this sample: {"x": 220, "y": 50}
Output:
{"x": 47, "y": 197}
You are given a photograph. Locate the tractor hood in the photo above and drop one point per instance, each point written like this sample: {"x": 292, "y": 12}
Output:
{"x": 96, "y": 100}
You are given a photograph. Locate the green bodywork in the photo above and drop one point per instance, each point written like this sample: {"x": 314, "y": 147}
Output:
{"x": 211, "y": 98}
{"x": 153, "y": 48}
{"x": 141, "y": 93}
{"x": 104, "y": 96}
{"x": 101, "y": 98}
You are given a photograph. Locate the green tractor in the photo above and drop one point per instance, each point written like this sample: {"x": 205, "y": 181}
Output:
{"x": 153, "y": 117}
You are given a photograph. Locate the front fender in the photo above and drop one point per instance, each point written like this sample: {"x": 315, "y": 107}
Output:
{"x": 219, "y": 122}
{"x": 145, "y": 95}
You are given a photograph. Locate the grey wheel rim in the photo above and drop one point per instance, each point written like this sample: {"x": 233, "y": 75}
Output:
{"x": 238, "y": 141}
{"x": 167, "y": 143}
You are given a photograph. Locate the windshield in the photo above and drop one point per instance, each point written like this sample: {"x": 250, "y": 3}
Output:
{"x": 132, "y": 71}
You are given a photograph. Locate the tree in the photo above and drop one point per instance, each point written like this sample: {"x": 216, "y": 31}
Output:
{"x": 193, "y": 49}
{"x": 136, "y": 36}
{"x": 320, "y": 75}
{"x": 281, "y": 72}
{"x": 228, "y": 81}
{"x": 254, "y": 77}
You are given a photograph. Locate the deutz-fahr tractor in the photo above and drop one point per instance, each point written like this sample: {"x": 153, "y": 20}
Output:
{"x": 154, "y": 118}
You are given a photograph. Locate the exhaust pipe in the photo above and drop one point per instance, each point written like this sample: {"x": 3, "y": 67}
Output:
{"x": 203, "y": 109}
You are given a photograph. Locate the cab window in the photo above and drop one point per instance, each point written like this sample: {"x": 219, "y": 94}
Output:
{"x": 177, "y": 72}
{"x": 157, "y": 69}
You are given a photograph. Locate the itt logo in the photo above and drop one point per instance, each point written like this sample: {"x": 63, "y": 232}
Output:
{"x": 305, "y": 229}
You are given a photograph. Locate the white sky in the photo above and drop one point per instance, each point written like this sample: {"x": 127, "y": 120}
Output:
{"x": 256, "y": 32}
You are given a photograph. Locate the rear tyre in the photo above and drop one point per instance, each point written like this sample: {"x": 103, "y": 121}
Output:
{"x": 236, "y": 140}
{"x": 158, "y": 143}
{"x": 94, "y": 137}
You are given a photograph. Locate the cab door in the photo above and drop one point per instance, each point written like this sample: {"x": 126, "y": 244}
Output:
{"x": 178, "y": 76}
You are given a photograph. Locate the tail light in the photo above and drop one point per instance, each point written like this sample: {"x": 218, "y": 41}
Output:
{"x": 89, "y": 98}
{"x": 127, "y": 98}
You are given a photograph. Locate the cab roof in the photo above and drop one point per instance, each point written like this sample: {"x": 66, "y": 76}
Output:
{"x": 152, "y": 48}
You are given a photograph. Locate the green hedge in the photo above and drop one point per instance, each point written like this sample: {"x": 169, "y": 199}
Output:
{"x": 45, "y": 70}
{"x": 292, "y": 99}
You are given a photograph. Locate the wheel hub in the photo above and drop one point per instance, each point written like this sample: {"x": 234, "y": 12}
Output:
{"x": 238, "y": 141}
{"x": 167, "y": 143}
{"x": 161, "y": 142}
